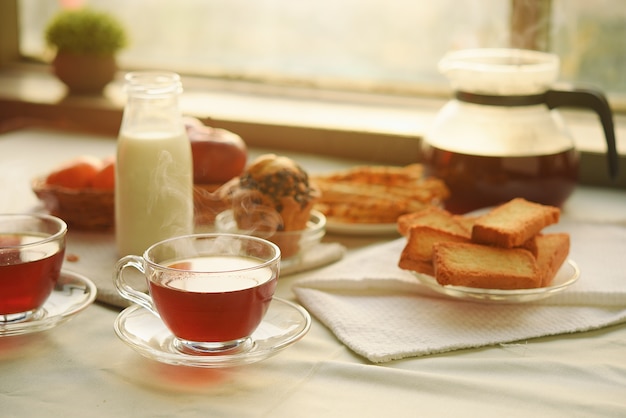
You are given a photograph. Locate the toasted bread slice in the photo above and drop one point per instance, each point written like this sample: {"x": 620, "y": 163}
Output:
{"x": 531, "y": 245}
{"x": 466, "y": 222}
{"x": 482, "y": 266}
{"x": 552, "y": 251}
{"x": 513, "y": 223}
{"x": 421, "y": 239}
{"x": 418, "y": 252}
{"x": 420, "y": 266}
{"x": 436, "y": 217}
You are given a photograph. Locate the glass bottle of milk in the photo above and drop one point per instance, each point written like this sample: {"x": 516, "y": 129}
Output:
{"x": 154, "y": 172}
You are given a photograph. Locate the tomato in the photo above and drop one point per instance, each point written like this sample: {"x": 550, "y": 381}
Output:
{"x": 105, "y": 178}
{"x": 75, "y": 174}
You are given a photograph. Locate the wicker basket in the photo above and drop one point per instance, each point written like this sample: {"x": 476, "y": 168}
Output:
{"x": 85, "y": 209}
{"x": 94, "y": 210}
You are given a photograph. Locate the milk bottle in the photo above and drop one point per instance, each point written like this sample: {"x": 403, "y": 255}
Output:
{"x": 154, "y": 172}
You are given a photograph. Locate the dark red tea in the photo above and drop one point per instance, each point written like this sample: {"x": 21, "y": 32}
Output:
{"x": 213, "y": 307}
{"x": 479, "y": 181}
{"x": 27, "y": 276}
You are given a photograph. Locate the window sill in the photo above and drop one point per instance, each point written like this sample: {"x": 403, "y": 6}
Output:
{"x": 373, "y": 128}
{"x": 354, "y": 126}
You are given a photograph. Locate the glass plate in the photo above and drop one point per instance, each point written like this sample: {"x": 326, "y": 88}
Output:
{"x": 307, "y": 239}
{"x": 283, "y": 324}
{"x": 566, "y": 276}
{"x": 72, "y": 294}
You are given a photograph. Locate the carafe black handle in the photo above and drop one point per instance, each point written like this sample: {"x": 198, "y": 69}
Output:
{"x": 596, "y": 101}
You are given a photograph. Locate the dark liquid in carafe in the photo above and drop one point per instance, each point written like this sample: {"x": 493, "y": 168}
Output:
{"x": 479, "y": 181}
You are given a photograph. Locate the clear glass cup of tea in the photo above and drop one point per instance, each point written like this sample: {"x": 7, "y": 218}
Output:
{"x": 32, "y": 248}
{"x": 210, "y": 290}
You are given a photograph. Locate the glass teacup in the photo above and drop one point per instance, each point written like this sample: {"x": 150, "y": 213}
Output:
{"x": 210, "y": 290}
{"x": 32, "y": 248}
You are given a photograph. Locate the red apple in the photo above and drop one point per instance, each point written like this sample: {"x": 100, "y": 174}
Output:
{"x": 191, "y": 122}
{"x": 218, "y": 154}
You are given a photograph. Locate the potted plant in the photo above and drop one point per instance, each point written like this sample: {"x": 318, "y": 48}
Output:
{"x": 86, "y": 43}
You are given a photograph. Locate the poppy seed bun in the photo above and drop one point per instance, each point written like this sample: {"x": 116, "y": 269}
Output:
{"x": 273, "y": 194}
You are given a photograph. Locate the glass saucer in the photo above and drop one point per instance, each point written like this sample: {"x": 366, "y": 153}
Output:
{"x": 566, "y": 276}
{"x": 283, "y": 324}
{"x": 72, "y": 294}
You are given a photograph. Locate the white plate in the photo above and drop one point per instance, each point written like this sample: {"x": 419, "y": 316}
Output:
{"x": 357, "y": 229}
{"x": 283, "y": 324}
{"x": 566, "y": 276}
{"x": 72, "y": 294}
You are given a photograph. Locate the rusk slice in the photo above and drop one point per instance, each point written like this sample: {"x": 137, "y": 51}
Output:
{"x": 531, "y": 245}
{"x": 552, "y": 250}
{"x": 420, "y": 266}
{"x": 418, "y": 252}
{"x": 481, "y": 266}
{"x": 436, "y": 217}
{"x": 513, "y": 223}
{"x": 421, "y": 239}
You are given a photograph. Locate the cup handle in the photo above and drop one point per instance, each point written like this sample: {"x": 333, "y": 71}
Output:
{"x": 124, "y": 289}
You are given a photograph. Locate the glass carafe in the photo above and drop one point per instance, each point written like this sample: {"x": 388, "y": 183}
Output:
{"x": 501, "y": 137}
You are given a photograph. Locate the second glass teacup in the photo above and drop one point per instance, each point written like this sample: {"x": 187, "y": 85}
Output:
{"x": 32, "y": 249}
{"x": 210, "y": 290}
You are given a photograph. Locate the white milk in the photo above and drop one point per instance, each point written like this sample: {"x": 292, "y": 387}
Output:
{"x": 154, "y": 189}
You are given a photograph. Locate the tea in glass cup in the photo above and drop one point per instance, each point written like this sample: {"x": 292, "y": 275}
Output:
{"x": 210, "y": 290}
{"x": 32, "y": 248}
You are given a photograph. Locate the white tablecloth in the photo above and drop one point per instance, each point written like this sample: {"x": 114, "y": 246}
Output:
{"x": 81, "y": 368}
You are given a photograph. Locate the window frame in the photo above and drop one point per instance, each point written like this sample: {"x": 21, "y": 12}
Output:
{"x": 9, "y": 33}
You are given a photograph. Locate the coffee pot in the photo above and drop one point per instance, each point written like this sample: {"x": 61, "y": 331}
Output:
{"x": 501, "y": 136}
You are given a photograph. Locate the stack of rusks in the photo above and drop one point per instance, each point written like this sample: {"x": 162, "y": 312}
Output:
{"x": 502, "y": 249}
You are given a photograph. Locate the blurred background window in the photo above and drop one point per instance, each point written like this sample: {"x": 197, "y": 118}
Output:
{"x": 364, "y": 45}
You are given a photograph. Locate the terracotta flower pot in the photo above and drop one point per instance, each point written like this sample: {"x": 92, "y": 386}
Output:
{"x": 85, "y": 74}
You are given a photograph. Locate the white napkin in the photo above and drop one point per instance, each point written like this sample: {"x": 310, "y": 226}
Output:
{"x": 96, "y": 257}
{"x": 383, "y": 313}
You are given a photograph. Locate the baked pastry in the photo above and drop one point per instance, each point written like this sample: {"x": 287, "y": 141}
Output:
{"x": 513, "y": 223}
{"x": 371, "y": 194}
{"x": 482, "y": 266}
{"x": 272, "y": 195}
